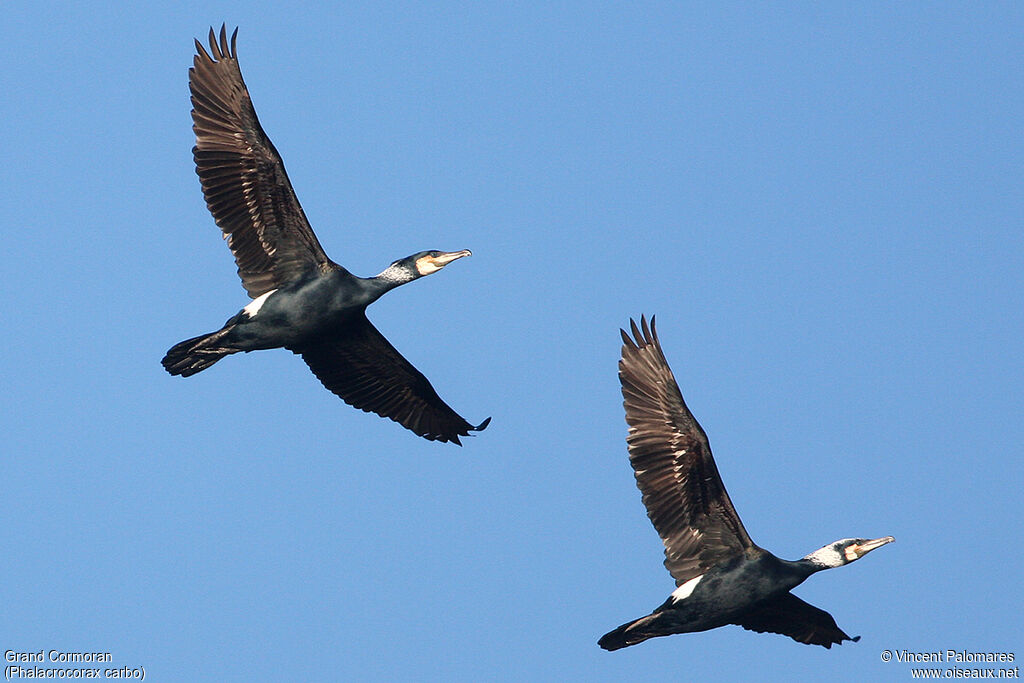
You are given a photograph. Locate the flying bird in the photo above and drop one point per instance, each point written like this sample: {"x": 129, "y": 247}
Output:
{"x": 301, "y": 300}
{"x": 722, "y": 577}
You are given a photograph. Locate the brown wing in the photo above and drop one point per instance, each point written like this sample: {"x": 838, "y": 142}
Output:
{"x": 243, "y": 177}
{"x": 671, "y": 458}
{"x": 366, "y": 371}
{"x": 791, "y": 616}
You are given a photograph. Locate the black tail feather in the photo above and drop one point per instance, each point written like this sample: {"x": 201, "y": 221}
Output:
{"x": 614, "y": 640}
{"x": 196, "y": 354}
{"x": 633, "y": 632}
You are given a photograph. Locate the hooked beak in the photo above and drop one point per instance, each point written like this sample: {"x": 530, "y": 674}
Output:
{"x": 866, "y": 547}
{"x": 447, "y": 257}
{"x": 431, "y": 264}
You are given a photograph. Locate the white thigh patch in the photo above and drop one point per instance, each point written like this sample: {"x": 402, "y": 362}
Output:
{"x": 256, "y": 304}
{"x": 686, "y": 589}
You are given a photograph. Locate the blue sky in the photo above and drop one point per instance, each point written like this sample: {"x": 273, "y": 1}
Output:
{"x": 821, "y": 203}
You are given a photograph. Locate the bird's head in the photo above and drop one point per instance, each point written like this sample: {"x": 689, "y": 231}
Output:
{"x": 420, "y": 264}
{"x": 845, "y": 551}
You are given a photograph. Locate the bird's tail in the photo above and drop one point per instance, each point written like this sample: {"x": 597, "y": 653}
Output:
{"x": 633, "y": 632}
{"x": 196, "y": 354}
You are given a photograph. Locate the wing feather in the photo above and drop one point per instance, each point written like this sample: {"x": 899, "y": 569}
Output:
{"x": 243, "y": 178}
{"x": 790, "y": 616}
{"x": 359, "y": 365}
{"x": 671, "y": 458}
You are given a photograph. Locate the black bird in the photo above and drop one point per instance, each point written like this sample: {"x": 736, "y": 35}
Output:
{"x": 722, "y": 577}
{"x": 302, "y": 301}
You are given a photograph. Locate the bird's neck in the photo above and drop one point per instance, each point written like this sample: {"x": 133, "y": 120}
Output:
{"x": 375, "y": 287}
{"x": 805, "y": 566}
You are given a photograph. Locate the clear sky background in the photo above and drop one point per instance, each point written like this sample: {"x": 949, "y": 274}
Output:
{"x": 820, "y": 202}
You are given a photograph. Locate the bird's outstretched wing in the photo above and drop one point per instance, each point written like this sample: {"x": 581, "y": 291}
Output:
{"x": 358, "y": 364}
{"x": 682, "y": 490}
{"x": 243, "y": 177}
{"x": 791, "y": 616}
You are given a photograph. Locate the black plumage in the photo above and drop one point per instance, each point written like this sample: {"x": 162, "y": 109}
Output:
{"x": 722, "y": 577}
{"x": 302, "y": 301}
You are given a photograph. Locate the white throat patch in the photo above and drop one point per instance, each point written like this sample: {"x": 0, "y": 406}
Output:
{"x": 426, "y": 266}
{"x": 256, "y": 304}
{"x": 827, "y": 557}
{"x": 686, "y": 589}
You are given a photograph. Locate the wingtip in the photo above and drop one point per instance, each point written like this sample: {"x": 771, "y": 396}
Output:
{"x": 650, "y": 331}
{"x": 225, "y": 49}
{"x": 201, "y": 55}
{"x": 636, "y": 330}
{"x": 644, "y": 334}
{"x": 220, "y": 46}
{"x": 455, "y": 437}
{"x": 626, "y": 341}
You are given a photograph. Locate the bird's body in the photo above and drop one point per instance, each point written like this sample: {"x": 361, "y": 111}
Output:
{"x": 721, "y": 596}
{"x": 722, "y": 593}
{"x": 301, "y": 300}
{"x": 304, "y": 309}
{"x": 722, "y": 577}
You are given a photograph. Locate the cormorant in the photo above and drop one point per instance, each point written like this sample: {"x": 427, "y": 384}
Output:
{"x": 721, "y": 576}
{"x": 302, "y": 301}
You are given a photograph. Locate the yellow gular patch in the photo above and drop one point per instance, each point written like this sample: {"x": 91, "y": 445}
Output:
{"x": 851, "y": 553}
{"x": 426, "y": 266}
